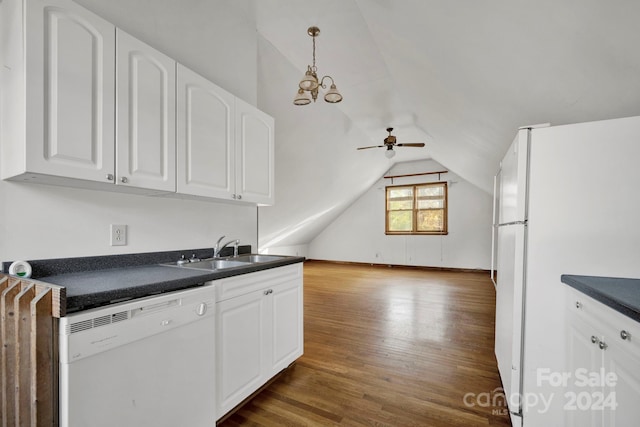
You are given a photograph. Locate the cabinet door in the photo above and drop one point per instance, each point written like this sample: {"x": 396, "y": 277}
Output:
{"x": 241, "y": 340}
{"x": 69, "y": 91}
{"x": 254, "y": 153}
{"x": 624, "y": 363}
{"x": 146, "y": 112}
{"x": 205, "y": 137}
{"x": 287, "y": 321}
{"x": 584, "y": 358}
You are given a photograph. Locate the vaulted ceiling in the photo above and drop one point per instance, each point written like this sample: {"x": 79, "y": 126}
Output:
{"x": 458, "y": 75}
{"x": 461, "y": 76}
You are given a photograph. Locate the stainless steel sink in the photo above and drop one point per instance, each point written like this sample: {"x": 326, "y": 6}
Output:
{"x": 223, "y": 263}
{"x": 212, "y": 264}
{"x": 254, "y": 258}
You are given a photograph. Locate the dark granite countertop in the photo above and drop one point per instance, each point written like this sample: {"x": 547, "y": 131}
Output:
{"x": 96, "y": 281}
{"x": 623, "y": 295}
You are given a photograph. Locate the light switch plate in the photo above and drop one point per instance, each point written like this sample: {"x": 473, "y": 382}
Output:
{"x": 118, "y": 235}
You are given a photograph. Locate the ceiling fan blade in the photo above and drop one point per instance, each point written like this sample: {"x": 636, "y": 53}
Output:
{"x": 371, "y": 146}
{"x": 411, "y": 144}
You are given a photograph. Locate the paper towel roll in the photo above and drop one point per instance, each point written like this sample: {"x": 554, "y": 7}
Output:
{"x": 20, "y": 269}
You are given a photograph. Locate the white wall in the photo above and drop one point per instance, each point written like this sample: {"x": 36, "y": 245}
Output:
{"x": 41, "y": 221}
{"x": 294, "y": 250}
{"x": 358, "y": 234}
{"x": 216, "y": 39}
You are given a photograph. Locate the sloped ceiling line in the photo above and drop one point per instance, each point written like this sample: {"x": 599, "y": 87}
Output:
{"x": 460, "y": 76}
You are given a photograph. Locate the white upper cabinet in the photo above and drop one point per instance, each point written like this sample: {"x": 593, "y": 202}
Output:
{"x": 87, "y": 105}
{"x": 146, "y": 116}
{"x": 254, "y": 154}
{"x": 205, "y": 143}
{"x": 59, "y": 92}
{"x": 225, "y": 146}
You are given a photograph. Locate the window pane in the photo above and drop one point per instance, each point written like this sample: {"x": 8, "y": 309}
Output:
{"x": 435, "y": 190}
{"x": 431, "y": 220}
{"x": 395, "y": 205}
{"x": 416, "y": 208}
{"x": 431, "y": 204}
{"x": 400, "y": 220}
{"x": 400, "y": 192}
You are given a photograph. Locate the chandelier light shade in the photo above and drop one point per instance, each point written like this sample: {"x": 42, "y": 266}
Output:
{"x": 309, "y": 81}
{"x": 310, "y": 85}
{"x": 333, "y": 95}
{"x": 302, "y": 98}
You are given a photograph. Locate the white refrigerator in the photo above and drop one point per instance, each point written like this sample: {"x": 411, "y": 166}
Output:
{"x": 567, "y": 202}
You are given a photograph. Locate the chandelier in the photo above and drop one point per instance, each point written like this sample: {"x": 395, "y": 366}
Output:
{"x": 310, "y": 82}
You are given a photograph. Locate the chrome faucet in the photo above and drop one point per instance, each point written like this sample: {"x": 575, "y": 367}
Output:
{"x": 218, "y": 248}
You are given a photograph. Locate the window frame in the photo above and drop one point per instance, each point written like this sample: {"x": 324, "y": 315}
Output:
{"x": 415, "y": 210}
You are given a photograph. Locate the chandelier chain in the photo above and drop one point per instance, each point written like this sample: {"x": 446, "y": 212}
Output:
{"x": 314, "y": 69}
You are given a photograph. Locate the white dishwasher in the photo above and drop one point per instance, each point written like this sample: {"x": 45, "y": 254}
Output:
{"x": 147, "y": 362}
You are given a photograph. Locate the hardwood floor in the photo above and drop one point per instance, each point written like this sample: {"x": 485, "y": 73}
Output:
{"x": 388, "y": 347}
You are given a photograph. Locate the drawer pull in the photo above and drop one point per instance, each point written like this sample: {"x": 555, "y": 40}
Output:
{"x": 594, "y": 339}
{"x": 625, "y": 335}
{"x": 578, "y": 305}
{"x": 603, "y": 345}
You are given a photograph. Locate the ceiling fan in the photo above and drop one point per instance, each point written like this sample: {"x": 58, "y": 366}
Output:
{"x": 390, "y": 142}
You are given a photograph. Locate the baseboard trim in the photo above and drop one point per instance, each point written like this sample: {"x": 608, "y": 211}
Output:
{"x": 414, "y": 267}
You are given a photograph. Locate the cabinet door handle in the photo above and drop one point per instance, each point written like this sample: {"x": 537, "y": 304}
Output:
{"x": 578, "y": 304}
{"x": 268, "y": 291}
{"x": 239, "y": 196}
{"x": 109, "y": 177}
{"x": 603, "y": 345}
{"x": 594, "y": 339}
{"x": 625, "y": 335}
{"x": 124, "y": 180}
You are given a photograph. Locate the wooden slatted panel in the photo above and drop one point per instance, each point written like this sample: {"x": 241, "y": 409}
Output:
{"x": 44, "y": 388}
{"x": 8, "y": 352}
{"x": 28, "y": 355}
{"x": 4, "y": 284}
{"x": 22, "y": 318}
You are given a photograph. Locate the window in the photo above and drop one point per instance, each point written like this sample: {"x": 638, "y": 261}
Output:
{"x": 417, "y": 209}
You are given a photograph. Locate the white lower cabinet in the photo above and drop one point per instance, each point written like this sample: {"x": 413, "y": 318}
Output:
{"x": 259, "y": 330}
{"x": 603, "y": 357}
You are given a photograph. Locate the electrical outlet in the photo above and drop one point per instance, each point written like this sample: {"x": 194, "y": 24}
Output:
{"x": 118, "y": 235}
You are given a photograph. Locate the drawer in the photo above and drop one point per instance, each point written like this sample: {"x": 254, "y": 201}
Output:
{"x": 606, "y": 322}
{"x": 240, "y": 285}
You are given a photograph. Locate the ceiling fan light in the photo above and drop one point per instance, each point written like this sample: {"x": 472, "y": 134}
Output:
{"x": 389, "y": 153}
{"x": 302, "y": 98}
{"x": 309, "y": 81}
{"x": 333, "y": 95}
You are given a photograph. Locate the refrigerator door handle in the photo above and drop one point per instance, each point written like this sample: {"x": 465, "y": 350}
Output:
{"x": 513, "y": 223}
